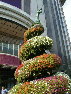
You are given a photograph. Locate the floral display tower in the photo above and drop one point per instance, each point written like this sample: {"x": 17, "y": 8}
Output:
{"x": 37, "y": 73}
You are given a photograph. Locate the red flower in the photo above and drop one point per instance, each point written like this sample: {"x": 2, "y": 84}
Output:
{"x": 18, "y": 68}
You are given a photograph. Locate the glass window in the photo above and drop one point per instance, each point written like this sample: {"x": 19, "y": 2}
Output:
{"x": 16, "y": 50}
{"x": 16, "y": 3}
{"x": 10, "y": 49}
{"x": 27, "y": 6}
{"x": 0, "y": 47}
{"x": 5, "y": 47}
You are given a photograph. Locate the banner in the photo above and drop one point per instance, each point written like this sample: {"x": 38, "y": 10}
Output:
{"x": 16, "y": 3}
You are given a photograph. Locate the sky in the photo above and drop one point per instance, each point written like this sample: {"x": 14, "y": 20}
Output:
{"x": 67, "y": 13}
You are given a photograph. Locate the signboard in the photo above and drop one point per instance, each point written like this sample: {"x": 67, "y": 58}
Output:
{"x": 16, "y": 3}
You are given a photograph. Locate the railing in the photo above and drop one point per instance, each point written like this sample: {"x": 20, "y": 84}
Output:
{"x": 9, "y": 49}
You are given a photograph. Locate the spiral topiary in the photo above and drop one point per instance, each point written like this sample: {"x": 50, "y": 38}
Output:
{"x": 33, "y": 74}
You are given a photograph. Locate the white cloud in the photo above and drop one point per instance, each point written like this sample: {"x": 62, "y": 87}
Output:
{"x": 67, "y": 13}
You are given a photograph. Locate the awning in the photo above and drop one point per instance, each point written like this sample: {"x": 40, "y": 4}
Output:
{"x": 9, "y": 61}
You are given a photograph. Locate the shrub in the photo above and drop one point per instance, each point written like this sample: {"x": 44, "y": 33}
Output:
{"x": 36, "y": 30}
{"x": 35, "y": 46}
{"x": 37, "y": 67}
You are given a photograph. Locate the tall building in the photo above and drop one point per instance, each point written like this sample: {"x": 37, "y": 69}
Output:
{"x": 18, "y": 15}
{"x": 55, "y": 25}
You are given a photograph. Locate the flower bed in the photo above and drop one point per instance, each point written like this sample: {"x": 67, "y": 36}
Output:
{"x": 35, "y": 46}
{"x": 37, "y": 67}
{"x": 36, "y": 30}
{"x": 49, "y": 85}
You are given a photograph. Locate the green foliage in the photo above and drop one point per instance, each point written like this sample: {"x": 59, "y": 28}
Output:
{"x": 36, "y": 30}
{"x": 37, "y": 67}
{"x": 35, "y": 46}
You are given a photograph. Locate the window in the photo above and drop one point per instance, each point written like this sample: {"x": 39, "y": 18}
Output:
{"x": 0, "y": 47}
{"x": 16, "y": 50}
{"x": 27, "y": 6}
{"x": 5, "y": 47}
{"x": 10, "y": 49}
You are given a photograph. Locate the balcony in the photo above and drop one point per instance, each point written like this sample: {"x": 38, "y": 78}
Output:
{"x": 9, "y": 55}
{"x": 13, "y": 23}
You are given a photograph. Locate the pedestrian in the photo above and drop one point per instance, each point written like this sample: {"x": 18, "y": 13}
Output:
{"x": 4, "y": 91}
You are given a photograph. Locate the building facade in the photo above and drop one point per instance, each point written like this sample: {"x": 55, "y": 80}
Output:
{"x": 16, "y": 17}
{"x": 55, "y": 25}
{"x": 13, "y": 23}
